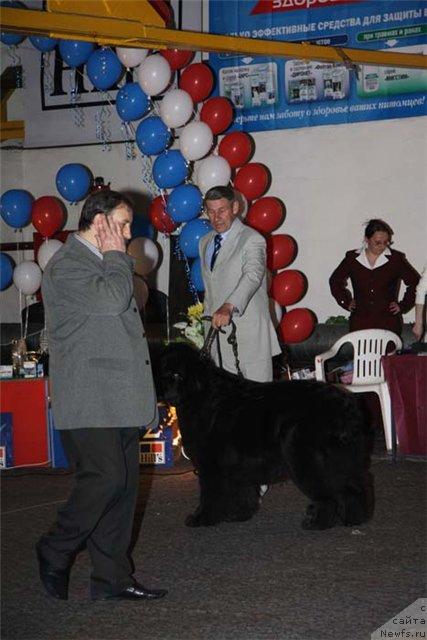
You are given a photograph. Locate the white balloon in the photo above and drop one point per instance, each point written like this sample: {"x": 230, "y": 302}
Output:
{"x": 213, "y": 171}
{"x": 176, "y": 108}
{"x": 131, "y": 57}
{"x": 47, "y": 249}
{"x": 195, "y": 140}
{"x": 27, "y": 277}
{"x": 243, "y": 204}
{"x": 154, "y": 74}
{"x": 146, "y": 254}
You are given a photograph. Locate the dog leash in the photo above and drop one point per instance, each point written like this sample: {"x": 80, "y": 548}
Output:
{"x": 213, "y": 334}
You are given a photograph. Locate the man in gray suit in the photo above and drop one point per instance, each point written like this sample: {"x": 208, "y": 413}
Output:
{"x": 233, "y": 258}
{"x": 102, "y": 391}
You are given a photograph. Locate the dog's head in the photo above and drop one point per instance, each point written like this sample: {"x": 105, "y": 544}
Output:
{"x": 178, "y": 375}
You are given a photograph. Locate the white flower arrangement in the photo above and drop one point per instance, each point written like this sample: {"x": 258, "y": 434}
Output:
{"x": 192, "y": 329}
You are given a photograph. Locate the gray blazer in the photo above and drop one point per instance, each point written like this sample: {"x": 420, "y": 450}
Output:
{"x": 239, "y": 277}
{"x": 99, "y": 363}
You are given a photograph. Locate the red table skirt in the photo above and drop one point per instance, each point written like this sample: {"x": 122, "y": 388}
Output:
{"x": 406, "y": 378}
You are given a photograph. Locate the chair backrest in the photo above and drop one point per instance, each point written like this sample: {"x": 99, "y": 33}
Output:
{"x": 369, "y": 345}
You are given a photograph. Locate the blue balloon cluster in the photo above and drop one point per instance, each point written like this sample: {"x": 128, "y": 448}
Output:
{"x": 15, "y": 207}
{"x": 43, "y": 43}
{"x": 131, "y": 102}
{"x": 190, "y": 236}
{"x": 152, "y": 136}
{"x": 104, "y": 68}
{"x": 6, "y": 271}
{"x": 184, "y": 203}
{"x": 169, "y": 169}
{"x": 73, "y": 181}
{"x": 12, "y": 38}
{"x": 75, "y": 52}
{"x": 196, "y": 275}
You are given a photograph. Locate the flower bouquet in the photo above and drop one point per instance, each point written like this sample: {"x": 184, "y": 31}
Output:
{"x": 192, "y": 328}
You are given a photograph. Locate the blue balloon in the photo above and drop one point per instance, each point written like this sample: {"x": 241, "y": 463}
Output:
{"x": 141, "y": 227}
{"x": 190, "y": 236}
{"x": 15, "y": 207}
{"x": 169, "y": 169}
{"x": 43, "y": 43}
{"x": 73, "y": 181}
{"x": 196, "y": 275}
{"x": 75, "y": 52}
{"x": 131, "y": 102}
{"x": 12, "y": 38}
{"x": 6, "y": 271}
{"x": 104, "y": 68}
{"x": 152, "y": 136}
{"x": 184, "y": 203}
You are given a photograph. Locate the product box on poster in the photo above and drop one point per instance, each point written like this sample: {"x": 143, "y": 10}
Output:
{"x": 155, "y": 447}
{"x": 6, "y": 441}
{"x": 6, "y": 371}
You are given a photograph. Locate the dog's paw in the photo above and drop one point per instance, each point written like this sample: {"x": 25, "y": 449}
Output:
{"x": 199, "y": 520}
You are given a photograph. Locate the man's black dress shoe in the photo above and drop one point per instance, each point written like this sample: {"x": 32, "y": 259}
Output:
{"x": 137, "y": 592}
{"x": 55, "y": 581}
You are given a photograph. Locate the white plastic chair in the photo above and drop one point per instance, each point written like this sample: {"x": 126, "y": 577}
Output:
{"x": 368, "y": 346}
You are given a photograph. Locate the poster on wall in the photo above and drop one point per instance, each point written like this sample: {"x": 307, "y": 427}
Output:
{"x": 277, "y": 93}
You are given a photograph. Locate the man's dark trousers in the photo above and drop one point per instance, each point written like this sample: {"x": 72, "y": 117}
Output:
{"x": 100, "y": 510}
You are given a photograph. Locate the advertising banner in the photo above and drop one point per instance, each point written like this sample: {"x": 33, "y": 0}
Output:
{"x": 275, "y": 93}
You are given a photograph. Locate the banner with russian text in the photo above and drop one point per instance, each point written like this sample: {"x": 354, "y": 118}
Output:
{"x": 277, "y": 93}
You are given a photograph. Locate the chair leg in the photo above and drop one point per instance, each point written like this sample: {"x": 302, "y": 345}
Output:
{"x": 385, "y": 401}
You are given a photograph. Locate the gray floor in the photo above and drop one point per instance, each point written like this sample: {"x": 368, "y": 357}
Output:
{"x": 266, "y": 579}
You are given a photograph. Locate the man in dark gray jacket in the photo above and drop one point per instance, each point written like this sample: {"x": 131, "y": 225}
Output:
{"x": 102, "y": 391}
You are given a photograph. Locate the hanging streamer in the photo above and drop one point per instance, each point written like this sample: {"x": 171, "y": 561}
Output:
{"x": 103, "y": 130}
{"x": 47, "y": 71}
{"x": 15, "y": 58}
{"x": 79, "y": 120}
{"x": 129, "y": 142}
{"x": 182, "y": 258}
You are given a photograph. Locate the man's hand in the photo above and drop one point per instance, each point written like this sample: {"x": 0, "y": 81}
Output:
{"x": 222, "y": 316}
{"x": 394, "y": 308}
{"x": 352, "y": 305}
{"x": 108, "y": 234}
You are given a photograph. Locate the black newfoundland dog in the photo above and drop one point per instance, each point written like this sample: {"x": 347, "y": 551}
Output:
{"x": 241, "y": 434}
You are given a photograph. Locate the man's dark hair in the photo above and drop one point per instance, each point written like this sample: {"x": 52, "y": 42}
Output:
{"x": 375, "y": 225}
{"x": 103, "y": 201}
{"x": 216, "y": 193}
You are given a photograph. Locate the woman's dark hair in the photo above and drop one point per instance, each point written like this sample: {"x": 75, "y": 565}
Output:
{"x": 103, "y": 201}
{"x": 216, "y": 193}
{"x": 375, "y": 225}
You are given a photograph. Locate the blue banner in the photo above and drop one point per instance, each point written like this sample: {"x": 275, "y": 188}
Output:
{"x": 276, "y": 93}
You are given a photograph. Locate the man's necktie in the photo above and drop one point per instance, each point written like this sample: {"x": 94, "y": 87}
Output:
{"x": 217, "y": 247}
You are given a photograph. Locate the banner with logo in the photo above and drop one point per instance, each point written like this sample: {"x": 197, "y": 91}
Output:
{"x": 276, "y": 93}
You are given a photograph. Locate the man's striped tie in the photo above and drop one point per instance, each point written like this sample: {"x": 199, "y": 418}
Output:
{"x": 217, "y": 247}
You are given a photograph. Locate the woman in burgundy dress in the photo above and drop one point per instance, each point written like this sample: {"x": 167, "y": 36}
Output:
{"x": 375, "y": 272}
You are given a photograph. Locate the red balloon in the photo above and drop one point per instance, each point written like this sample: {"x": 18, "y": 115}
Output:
{"x": 217, "y": 113}
{"x": 266, "y": 214}
{"x": 158, "y": 216}
{"x": 236, "y": 148}
{"x": 288, "y": 287}
{"x": 281, "y": 251}
{"x": 297, "y": 325}
{"x": 47, "y": 215}
{"x": 198, "y": 80}
{"x": 252, "y": 180}
{"x": 177, "y": 58}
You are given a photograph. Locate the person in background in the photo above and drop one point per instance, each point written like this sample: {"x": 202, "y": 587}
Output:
{"x": 102, "y": 391}
{"x": 420, "y": 329}
{"x": 233, "y": 258}
{"x": 375, "y": 272}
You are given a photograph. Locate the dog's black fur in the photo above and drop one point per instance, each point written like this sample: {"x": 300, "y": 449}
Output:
{"x": 240, "y": 434}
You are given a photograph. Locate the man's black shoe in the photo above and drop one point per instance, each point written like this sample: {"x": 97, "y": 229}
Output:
{"x": 55, "y": 581}
{"x": 137, "y": 592}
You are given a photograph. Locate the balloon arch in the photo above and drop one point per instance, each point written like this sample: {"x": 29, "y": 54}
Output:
{"x": 180, "y": 175}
